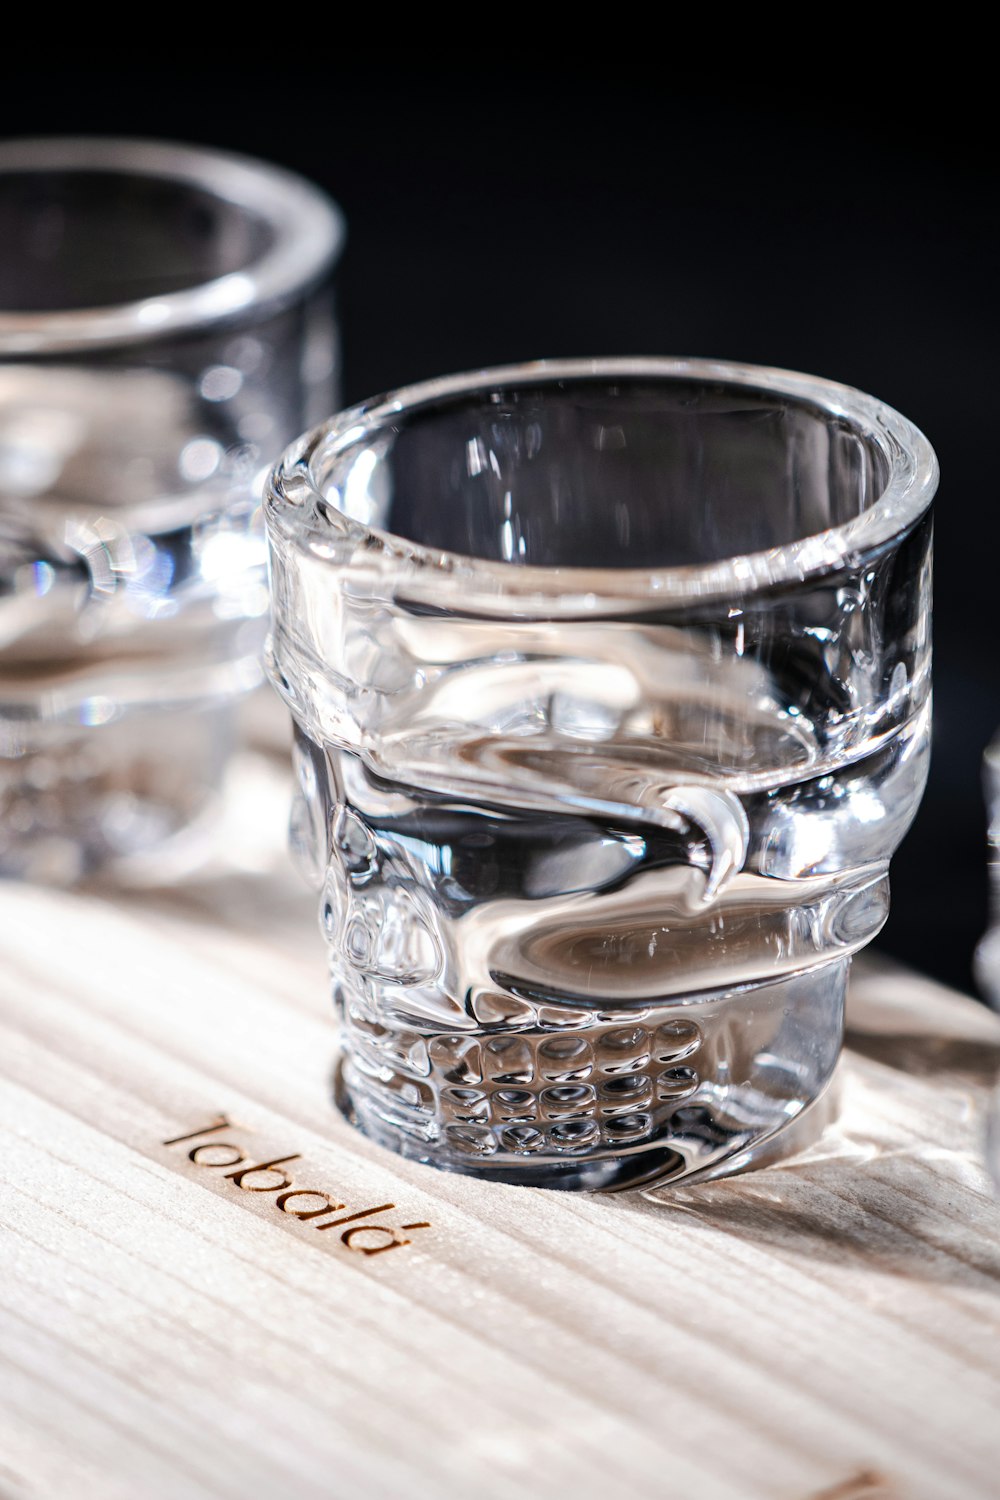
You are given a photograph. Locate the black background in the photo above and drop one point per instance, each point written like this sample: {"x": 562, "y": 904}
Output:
{"x": 503, "y": 211}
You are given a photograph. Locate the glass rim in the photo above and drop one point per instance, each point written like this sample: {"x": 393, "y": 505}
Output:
{"x": 308, "y": 228}
{"x": 491, "y": 586}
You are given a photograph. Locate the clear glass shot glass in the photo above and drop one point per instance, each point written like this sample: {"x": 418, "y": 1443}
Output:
{"x": 611, "y": 691}
{"x": 987, "y": 958}
{"x": 166, "y": 327}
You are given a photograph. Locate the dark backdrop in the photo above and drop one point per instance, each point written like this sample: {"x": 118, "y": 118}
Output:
{"x": 504, "y": 212}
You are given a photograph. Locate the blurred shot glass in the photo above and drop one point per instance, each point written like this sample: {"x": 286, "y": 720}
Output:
{"x": 611, "y": 686}
{"x": 987, "y": 960}
{"x": 166, "y": 326}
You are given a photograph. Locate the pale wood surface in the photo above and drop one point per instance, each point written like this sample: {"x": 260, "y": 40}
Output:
{"x": 828, "y": 1328}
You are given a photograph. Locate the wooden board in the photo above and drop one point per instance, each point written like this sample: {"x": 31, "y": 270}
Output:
{"x": 827, "y": 1328}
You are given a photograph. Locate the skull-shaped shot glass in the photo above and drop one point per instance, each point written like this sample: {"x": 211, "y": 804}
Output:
{"x": 166, "y": 327}
{"x": 611, "y": 691}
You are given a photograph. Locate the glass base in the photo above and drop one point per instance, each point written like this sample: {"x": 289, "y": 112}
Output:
{"x": 132, "y": 800}
{"x": 702, "y": 1086}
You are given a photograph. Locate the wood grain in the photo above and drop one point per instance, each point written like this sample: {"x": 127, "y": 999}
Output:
{"x": 827, "y": 1328}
